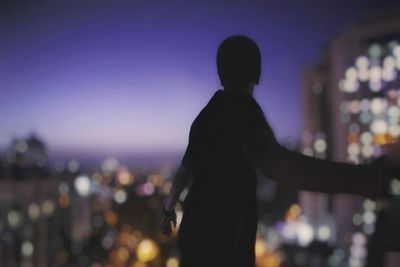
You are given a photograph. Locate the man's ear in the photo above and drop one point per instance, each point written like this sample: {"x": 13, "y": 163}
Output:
{"x": 257, "y": 80}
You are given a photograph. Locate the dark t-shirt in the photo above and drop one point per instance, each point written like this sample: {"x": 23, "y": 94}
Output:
{"x": 221, "y": 208}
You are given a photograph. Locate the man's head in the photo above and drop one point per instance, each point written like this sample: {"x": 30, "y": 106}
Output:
{"x": 238, "y": 62}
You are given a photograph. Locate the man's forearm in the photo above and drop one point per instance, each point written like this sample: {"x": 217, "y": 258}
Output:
{"x": 179, "y": 183}
{"x": 307, "y": 173}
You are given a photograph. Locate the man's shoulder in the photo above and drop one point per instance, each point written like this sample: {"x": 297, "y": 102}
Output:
{"x": 208, "y": 109}
{"x": 224, "y": 109}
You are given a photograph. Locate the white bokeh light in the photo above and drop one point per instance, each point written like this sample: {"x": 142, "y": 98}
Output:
{"x": 82, "y": 185}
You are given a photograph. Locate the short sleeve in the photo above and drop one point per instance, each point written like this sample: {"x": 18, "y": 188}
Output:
{"x": 188, "y": 157}
{"x": 254, "y": 120}
{"x": 254, "y": 117}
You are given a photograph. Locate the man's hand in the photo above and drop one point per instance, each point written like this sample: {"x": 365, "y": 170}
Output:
{"x": 168, "y": 218}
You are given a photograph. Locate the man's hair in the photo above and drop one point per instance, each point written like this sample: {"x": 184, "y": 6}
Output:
{"x": 238, "y": 61}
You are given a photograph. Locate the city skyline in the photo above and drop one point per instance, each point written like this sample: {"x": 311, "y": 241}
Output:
{"x": 95, "y": 113}
{"x": 130, "y": 78}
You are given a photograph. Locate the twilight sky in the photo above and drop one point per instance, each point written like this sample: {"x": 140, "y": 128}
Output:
{"x": 114, "y": 77}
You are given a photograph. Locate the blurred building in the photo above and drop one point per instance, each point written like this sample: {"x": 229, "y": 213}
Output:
{"x": 27, "y": 152}
{"x": 37, "y": 218}
{"x": 25, "y": 157}
{"x": 317, "y": 142}
{"x": 351, "y": 102}
{"x": 69, "y": 215}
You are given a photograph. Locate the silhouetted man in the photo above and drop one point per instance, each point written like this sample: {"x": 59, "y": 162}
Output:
{"x": 229, "y": 140}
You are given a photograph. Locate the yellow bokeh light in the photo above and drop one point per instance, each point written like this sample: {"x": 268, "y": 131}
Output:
{"x": 147, "y": 250}
{"x": 111, "y": 218}
{"x": 172, "y": 262}
{"x": 259, "y": 248}
{"x": 48, "y": 207}
{"x": 139, "y": 264}
{"x": 293, "y": 212}
{"x": 270, "y": 260}
{"x": 352, "y": 138}
{"x": 295, "y": 209}
{"x": 382, "y": 139}
{"x": 125, "y": 177}
{"x": 155, "y": 179}
{"x": 63, "y": 200}
{"x": 123, "y": 254}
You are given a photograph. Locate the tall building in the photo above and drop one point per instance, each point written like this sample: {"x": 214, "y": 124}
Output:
{"x": 316, "y": 141}
{"x": 351, "y": 106}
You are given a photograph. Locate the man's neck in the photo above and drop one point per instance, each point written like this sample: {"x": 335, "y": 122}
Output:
{"x": 248, "y": 90}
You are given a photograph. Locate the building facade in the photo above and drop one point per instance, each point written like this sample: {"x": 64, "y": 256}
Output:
{"x": 351, "y": 101}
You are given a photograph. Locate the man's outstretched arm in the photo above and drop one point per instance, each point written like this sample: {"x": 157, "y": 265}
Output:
{"x": 306, "y": 173}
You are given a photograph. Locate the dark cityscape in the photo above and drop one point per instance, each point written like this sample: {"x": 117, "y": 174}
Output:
{"x": 96, "y": 101}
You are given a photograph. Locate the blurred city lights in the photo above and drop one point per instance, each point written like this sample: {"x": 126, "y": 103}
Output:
{"x": 82, "y": 185}
{"x": 22, "y": 146}
{"x": 147, "y": 250}
{"x": 110, "y": 165}
{"x": 324, "y": 233}
{"x": 73, "y": 166}
{"x": 305, "y": 234}
{"x": 48, "y": 207}
{"x": 125, "y": 177}
{"x": 395, "y": 186}
{"x": 120, "y": 196}
{"x": 63, "y": 188}
{"x": 320, "y": 145}
{"x": 172, "y": 262}
{"x": 145, "y": 189}
{"x": 260, "y": 248}
{"x": 111, "y": 218}
{"x": 33, "y": 211}
{"x": 14, "y": 218}
{"x": 27, "y": 249}
{"x": 99, "y": 231}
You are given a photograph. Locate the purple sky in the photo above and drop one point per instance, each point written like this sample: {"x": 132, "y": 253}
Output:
{"x": 130, "y": 76}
